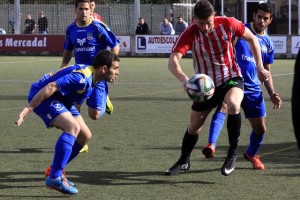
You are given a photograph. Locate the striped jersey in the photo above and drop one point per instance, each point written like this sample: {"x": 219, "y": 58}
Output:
{"x": 246, "y": 60}
{"x": 88, "y": 40}
{"x": 213, "y": 53}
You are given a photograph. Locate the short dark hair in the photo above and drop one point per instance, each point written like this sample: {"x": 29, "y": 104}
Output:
{"x": 105, "y": 57}
{"x": 81, "y": 1}
{"x": 265, "y": 7}
{"x": 203, "y": 9}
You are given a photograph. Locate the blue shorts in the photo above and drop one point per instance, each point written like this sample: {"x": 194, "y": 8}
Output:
{"x": 253, "y": 105}
{"x": 49, "y": 109}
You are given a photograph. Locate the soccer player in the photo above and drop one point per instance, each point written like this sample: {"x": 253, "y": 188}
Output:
{"x": 253, "y": 103}
{"x": 53, "y": 99}
{"x": 296, "y": 99}
{"x": 85, "y": 37}
{"x": 210, "y": 39}
{"x": 94, "y": 15}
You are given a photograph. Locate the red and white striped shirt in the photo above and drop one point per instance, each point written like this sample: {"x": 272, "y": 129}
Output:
{"x": 213, "y": 53}
{"x": 95, "y": 16}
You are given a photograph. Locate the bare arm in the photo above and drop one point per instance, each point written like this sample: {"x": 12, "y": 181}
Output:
{"x": 263, "y": 74}
{"x": 67, "y": 55}
{"x": 275, "y": 98}
{"x": 116, "y": 49}
{"x": 176, "y": 70}
{"x": 41, "y": 96}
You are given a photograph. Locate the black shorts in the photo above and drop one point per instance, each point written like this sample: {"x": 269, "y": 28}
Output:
{"x": 219, "y": 94}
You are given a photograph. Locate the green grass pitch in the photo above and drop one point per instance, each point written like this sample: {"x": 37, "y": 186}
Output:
{"x": 131, "y": 149}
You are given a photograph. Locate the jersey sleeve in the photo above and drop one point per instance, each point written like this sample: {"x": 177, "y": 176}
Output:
{"x": 68, "y": 45}
{"x": 97, "y": 100}
{"x": 270, "y": 54}
{"x": 237, "y": 26}
{"x": 71, "y": 82}
{"x": 106, "y": 36}
{"x": 184, "y": 41}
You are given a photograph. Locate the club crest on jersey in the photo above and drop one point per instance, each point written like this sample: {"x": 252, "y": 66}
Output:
{"x": 81, "y": 42}
{"x": 89, "y": 36}
{"x": 264, "y": 48}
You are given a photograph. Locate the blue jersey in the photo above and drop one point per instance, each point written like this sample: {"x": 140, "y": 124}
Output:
{"x": 75, "y": 84}
{"x": 88, "y": 40}
{"x": 246, "y": 60}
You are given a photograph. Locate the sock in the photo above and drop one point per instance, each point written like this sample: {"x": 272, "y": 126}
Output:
{"x": 216, "y": 126}
{"x": 75, "y": 151}
{"x": 63, "y": 150}
{"x": 188, "y": 143}
{"x": 255, "y": 144}
{"x": 234, "y": 130}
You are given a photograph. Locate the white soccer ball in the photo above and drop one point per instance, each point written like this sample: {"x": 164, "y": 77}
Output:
{"x": 200, "y": 88}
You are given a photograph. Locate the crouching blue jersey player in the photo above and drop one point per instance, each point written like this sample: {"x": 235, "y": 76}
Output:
{"x": 53, "y": 99}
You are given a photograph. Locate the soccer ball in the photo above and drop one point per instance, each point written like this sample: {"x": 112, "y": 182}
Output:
{"x": 200, "y": 88}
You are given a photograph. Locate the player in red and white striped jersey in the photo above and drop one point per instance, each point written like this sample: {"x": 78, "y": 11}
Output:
{"x": 94, "y": 15}
{"x": 210, "y": 39}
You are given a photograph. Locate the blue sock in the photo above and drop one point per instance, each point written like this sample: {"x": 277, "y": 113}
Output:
{"x": 63, "y": 150}
{"x": 75, "y": 151}
{"x": 216, "y": 126}
{"x": 255, "y": 144}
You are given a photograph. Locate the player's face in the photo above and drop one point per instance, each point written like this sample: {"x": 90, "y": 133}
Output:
{"x": 261, "y": 20}
{"x": 205, "y": 25}
{"x": 113, "y": 72}
{"x": 83, "y": 13}
{"x": 93, "y": 6}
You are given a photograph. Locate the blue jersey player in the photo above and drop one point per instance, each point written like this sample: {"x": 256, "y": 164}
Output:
{"x": 253, "y": 103}
{"x": 53, "y": 99}
{"x": 84, "y": 38}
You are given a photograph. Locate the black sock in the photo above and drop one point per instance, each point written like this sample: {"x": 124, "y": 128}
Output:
{"x": 234, "y": 131}
{"x": 188, "y": 143}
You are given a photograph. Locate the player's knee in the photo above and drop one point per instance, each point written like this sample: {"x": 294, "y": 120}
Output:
{"x": 260, "y": 130}
{"x": 233, "y": 108}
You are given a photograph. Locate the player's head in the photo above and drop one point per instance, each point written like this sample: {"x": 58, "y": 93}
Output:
{"x": 93, "y": 5}
{"x": 83, "y": 11}
{"x": 106, "y": 64}
{"x": 262, "y": 17}
{"x": 204, "y": 14}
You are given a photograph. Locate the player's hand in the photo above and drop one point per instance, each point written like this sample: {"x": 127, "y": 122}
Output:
{"x": 276, "y": 101}
{"x": 22, "y": 115}
{"x": 263, "y": 75}
{"x": 184, "y": 83}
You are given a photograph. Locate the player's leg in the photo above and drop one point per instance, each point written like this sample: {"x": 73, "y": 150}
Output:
{"x": 233, "y": 99}
{"x": 216, "y": 125}
{"x": 254, "y": 108}
{"x": 189, "y": 141}
{"x": 63, "y": 149}
{"x": 83, "y": 138}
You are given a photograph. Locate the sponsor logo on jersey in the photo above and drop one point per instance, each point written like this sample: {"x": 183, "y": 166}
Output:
{"x": 81, "y": 42}
{"x": 248, "y": 58}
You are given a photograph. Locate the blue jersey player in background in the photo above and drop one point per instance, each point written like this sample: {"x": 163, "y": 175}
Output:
{"x": 53, "y": 99}
{"x": 84, "y": 38}
{"x": 253, "y": 103}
